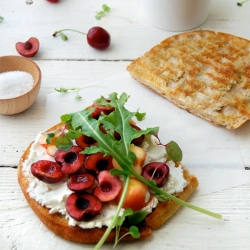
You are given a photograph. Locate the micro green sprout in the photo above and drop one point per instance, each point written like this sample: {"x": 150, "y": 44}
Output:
{"x": 242, "y": 2}
{"x": 103, "y": 12}
{"x": 63, "y": 36}
{"x": 64, "y": 90}
{"x": 106, "y": 11}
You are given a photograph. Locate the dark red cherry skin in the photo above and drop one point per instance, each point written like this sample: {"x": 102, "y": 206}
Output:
{"x": 71, "y": 160}
{"x": 109, "y": 186}
{"x": 80, "y": 182}
{"x": 99, "y": 109}
{"x": 97, "y": 162}
{"x": 83, "y": 207}
{"x": 53, "y": 1}
{"x": 137, "y": 141}
{"x": 157, "y": 171}
{"x": 98, "y": 38}
{"x": 28, "y": 48}
{"x": 85, "y": 141}
{"x": 47, "y": 171}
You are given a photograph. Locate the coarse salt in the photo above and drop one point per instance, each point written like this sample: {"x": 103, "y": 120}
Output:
{"x": 15, "y": 83}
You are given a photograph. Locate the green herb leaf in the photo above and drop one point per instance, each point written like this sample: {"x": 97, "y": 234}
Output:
{"x": 174, "y": 151}
{"x": 62, "y": 90}
{"x": 63, "y": 142}
{"x": 103, "y": 12}
{"x": 137, "y": 217}
{"x": 134, "y": 232}
{"x": 1, "y": 18}
{"x": 49, "y": 137}
{"x": 66, "y": 118}
{"x": 73, "y": 134}
{"x": 140, "y": 116}
{"x": 242, "y": 2}
{"x": 105, "y": 7}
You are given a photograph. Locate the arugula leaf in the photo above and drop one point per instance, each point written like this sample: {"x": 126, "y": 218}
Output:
{"x": 63, "y": 142}
{"x": 119, "y": 121}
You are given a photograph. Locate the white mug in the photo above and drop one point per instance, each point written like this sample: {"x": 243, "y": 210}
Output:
{"x": 176, "y": 15}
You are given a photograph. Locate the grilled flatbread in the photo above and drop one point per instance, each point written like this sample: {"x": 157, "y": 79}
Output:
{"x": 204, "y": 72}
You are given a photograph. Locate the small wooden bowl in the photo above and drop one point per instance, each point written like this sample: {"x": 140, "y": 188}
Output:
{"x": 20, "y": 103}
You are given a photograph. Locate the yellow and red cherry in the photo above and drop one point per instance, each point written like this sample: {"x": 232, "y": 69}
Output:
{"x": 137, "y": 196}
{"x": 138, "y": 163}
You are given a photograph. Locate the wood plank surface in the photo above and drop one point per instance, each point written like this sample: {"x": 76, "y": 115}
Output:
{"x": 74, "y": 63}
{"x": 20, "y": 229}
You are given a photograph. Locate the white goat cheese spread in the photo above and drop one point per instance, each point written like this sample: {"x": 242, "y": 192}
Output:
{"x": 53, "y": 196}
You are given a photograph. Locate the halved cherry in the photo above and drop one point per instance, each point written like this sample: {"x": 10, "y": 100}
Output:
{"x": 70, "y": 160}
{"x": 83, "y": 206}
{"x": 28, "y": 48}
{"x": 85, "y": 141}
{"x": 47, "y": 171}
{"x": 109, "y": 186}
{"x": 101, "y": 109}
{"x": 97, "y": 162}
{"x": 80, "y": 182}
{"x": 157, "y": 171}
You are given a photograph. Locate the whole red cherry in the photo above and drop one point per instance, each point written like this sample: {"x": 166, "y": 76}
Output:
{"x": 98, "y": 38}
{"x": 53, "y": 1}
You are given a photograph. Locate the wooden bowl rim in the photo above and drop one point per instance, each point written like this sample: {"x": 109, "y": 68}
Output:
{"x": 36, "y": 82}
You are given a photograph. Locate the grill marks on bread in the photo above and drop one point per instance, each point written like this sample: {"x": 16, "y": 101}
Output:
{"x": 205, "y": 72}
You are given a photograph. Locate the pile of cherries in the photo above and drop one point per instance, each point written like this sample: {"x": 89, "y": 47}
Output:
{"x": 89, "y": 178}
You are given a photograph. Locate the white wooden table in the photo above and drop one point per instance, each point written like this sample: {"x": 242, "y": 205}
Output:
{"x": 74, "y": 63}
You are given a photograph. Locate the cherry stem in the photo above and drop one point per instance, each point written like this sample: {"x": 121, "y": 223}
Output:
{"x": 58, "y": 31}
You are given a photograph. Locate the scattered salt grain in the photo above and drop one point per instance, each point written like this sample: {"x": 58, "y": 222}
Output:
{"x": 15, "y": 83}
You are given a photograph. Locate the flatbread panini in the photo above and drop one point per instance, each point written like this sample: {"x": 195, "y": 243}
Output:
{"x": 57, "y": 220}
{"x": 204, "y": 72}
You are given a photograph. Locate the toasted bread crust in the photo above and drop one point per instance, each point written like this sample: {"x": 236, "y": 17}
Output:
{"x": 59, "y": 225}
{"x": 204, "y": 72}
